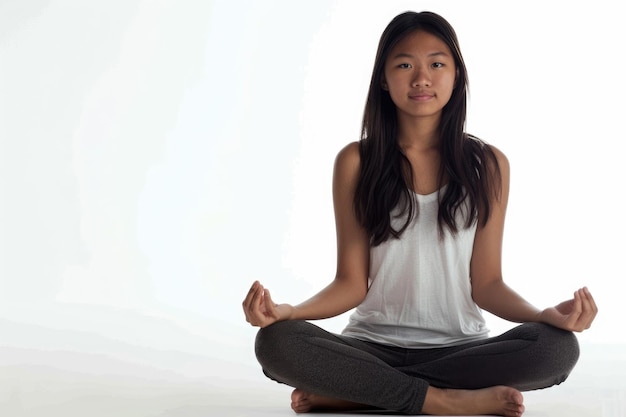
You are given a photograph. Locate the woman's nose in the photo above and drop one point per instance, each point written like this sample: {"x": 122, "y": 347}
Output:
{"x": 421, "y": 78}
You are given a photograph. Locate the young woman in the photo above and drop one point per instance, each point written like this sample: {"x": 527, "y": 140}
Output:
{"x": 419, "y": 208}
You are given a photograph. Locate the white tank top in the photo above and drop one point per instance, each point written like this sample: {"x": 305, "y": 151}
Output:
{"x": 419, "y": 287}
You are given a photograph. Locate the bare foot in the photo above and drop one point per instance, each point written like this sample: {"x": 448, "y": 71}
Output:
{"x": 303, "y": 402}
{"x": 499, "y": 400}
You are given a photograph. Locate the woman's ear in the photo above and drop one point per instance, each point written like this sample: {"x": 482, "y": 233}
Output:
{"x": 383, "y": 85}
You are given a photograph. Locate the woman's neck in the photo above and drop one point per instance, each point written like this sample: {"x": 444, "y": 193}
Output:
{"x": 418, "y": 138}
{"x": 418, "y": 135}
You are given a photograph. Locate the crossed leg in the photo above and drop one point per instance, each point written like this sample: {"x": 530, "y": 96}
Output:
{"x": 335, "y": 372}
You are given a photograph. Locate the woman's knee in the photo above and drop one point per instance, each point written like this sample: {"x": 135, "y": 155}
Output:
{"x": 275, "y": 342}
{"x": 559, "y": 348}
{"x": 564, "y": 345}
{"x": 552, "y": 355}
{"x": 280, "y": 347}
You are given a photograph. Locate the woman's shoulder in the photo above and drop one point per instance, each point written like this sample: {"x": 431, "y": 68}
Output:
{"x": 348, "y": 164}
{"x": 488, "y": 150}
{"x": 503, "y": 161}
{"x": 349, "y": 155}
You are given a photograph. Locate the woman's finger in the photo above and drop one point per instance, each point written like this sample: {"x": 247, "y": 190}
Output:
{"x": 270, "y": 308}
{"x": 592, "y": 302}
{"x": 589, "y": 307}
{"x": 253, "y": 305}
{"x": 248, "y": 300}
{"x": 574, "y": 316}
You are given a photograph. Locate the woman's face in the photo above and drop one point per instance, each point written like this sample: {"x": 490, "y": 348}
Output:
{"x": 420, "y": 75}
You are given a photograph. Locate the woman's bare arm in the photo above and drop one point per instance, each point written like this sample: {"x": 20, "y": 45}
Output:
{"x": 349, "y": 287}
{"x": 491, "y": 293}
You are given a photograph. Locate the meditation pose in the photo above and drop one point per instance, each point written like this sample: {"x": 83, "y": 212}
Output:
{"x": 420, "y": 210}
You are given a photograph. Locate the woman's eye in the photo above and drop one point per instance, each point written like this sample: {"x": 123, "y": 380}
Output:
{"x": 437, "y": 65}
{"x": 404, "y": 66}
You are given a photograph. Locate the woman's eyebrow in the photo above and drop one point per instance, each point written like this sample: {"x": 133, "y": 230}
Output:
{"x": 430, "y": 55}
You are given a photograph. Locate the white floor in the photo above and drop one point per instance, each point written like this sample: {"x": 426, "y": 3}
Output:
{"x": 156, "y": 368}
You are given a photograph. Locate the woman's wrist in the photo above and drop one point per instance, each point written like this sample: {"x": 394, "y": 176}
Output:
{"x": 285, "y": 312}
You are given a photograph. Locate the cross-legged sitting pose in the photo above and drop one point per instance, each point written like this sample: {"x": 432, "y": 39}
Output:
{"x": 419, "y": 208}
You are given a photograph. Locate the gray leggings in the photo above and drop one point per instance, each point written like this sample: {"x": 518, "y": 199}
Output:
{"x": 300, "y": 354}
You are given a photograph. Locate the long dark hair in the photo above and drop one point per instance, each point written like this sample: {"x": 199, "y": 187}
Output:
{"x": 386, "y": 177}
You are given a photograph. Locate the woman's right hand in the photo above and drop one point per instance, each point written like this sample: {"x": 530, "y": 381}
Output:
{"x": 260, "y": 310}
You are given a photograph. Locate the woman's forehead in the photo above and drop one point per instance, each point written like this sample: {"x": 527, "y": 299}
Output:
{"x": 420, "y": 42}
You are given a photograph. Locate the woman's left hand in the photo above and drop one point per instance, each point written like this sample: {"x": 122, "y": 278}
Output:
{"x": 574, "y": 315}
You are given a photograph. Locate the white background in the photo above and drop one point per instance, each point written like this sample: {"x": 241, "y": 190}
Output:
{"x": 159, "y": 156}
